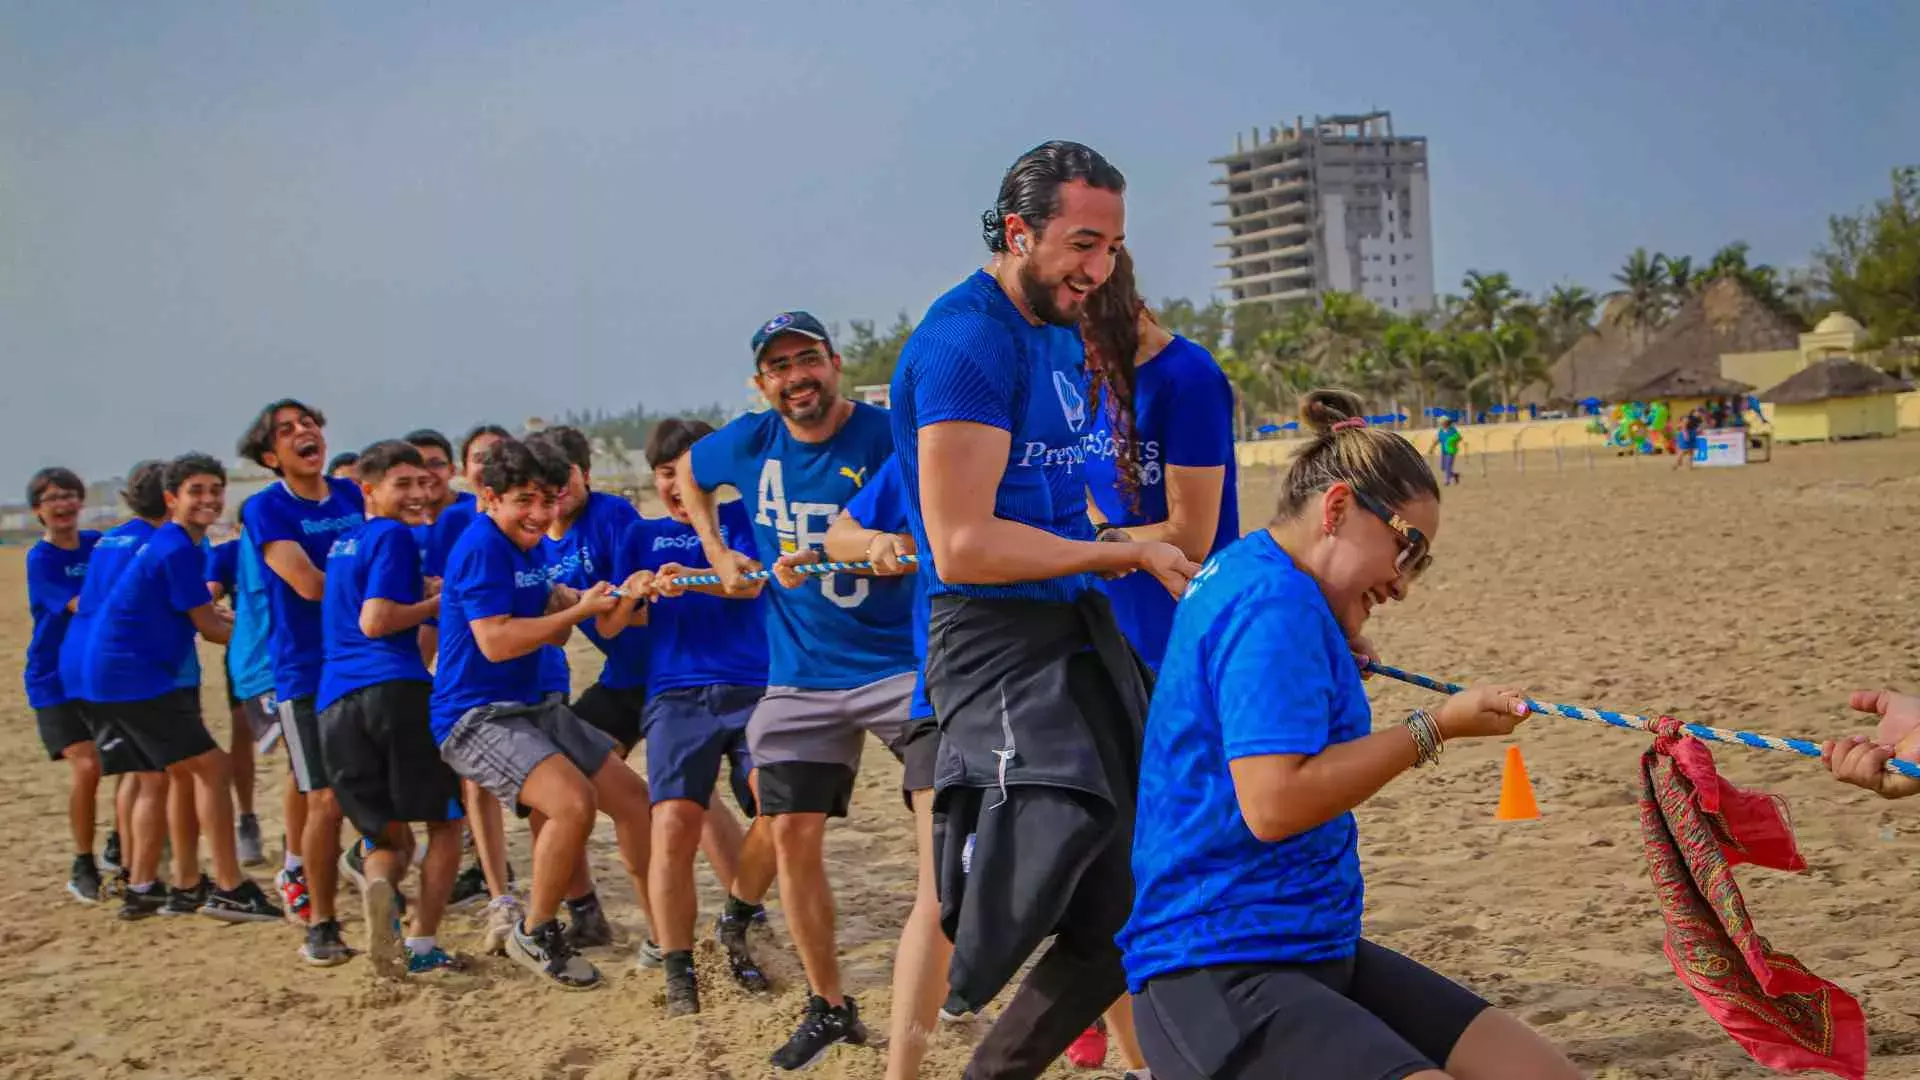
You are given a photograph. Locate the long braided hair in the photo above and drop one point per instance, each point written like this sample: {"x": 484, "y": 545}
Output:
{"x": 1110, "y": 330}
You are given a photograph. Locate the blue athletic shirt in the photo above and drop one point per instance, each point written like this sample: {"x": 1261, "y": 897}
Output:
{"x": 144, "y": 637}
{"x": 223, "y": 564}
{"x": 587, "y": 555}
{"x": 54, "y": 579}
{"x": 445, "y": 532}
{"x": 974, "y": 358}
{"x": 1256, "y": 665}
{"x": 836, "y": 631}
{"x": 698, "y": 639}
{"x": 882, "y": 505}
{"x": 249, "y": 651}
{"x": 277, "y": 514}
{"x": 111, "y": 556}
{"x": 1182, "y": 415}
{"x": 379, "y": 560}
{"x": 487, "y": 575}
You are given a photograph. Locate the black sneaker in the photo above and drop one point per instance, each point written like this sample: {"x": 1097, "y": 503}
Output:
{"x": 546, "y": 953}
{"x": 244, "y": 903}
{"x": 84, "y": 881}
{"x": 324, "y": 946}
{"x": 110, "y": 855}
{"x": 469, "y": 888}
{"x": 587, "y": 925}
{"x": 821, "y": 1027}
{"x": 731, "y": 932}
{"x": 137, "y": 905}
{"x": 187, "y": 901}
{"x": 683, "y": 989}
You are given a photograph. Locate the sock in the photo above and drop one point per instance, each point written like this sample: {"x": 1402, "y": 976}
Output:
{"x": 738, "y": 909}
{"x": 294, "y": 862}
{"x": 145, "y": 887}
{"x": 420, "y": 946}
{"x": 584, "y": 904}
{"x": 679, "y": 963}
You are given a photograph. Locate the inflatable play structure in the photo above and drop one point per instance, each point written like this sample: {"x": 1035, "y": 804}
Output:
{"x": 1639, "y": 428}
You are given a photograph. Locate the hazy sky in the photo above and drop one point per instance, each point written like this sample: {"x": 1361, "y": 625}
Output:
{"x": 441, "y": 213}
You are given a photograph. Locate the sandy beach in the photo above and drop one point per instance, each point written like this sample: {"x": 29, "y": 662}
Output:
{"x": 1751, "y": 598}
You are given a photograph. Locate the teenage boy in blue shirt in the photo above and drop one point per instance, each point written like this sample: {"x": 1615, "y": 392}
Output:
{"x": 143, "y": 642}
{"x": 250, "y": 716}
{"x": 498, "y": 729}
{"x": 293, "y": 523}
{"x": 375, "y": 716}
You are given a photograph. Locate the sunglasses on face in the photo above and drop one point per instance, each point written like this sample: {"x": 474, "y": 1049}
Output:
{"x": 1414, "y": 557}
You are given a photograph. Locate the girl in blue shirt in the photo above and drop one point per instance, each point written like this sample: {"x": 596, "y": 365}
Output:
{"x": 1244, "y": 952}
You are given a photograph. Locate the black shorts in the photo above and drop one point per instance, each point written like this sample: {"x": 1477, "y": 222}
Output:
{"x": 917, "y": 753}
{"x": 1373, "y": 1016}
{"x": 161, "y": 731}
{"x": 381, "y": 759}
{"x": 301, "y": 728}
{"x": 61, "y": 726}
{"x": 117, "y": 756}
{"x": 619, "y": 713}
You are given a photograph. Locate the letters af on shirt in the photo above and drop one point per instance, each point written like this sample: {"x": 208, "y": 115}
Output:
{"x": 802, "y": 526}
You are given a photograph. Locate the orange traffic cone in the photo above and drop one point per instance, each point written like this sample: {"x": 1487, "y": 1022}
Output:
{"x": 1516, "y": 791}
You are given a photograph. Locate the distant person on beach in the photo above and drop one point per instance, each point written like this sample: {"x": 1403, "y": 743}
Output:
{"x": 56, "y": 569}
{"x": 1861, "y": 760}
{"x": 1244, "y": 952}
{"x": 1688, "y": 438}
{"x": 1447, "y": 440}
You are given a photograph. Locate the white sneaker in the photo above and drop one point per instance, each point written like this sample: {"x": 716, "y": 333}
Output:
{"x": 503, "y": 914}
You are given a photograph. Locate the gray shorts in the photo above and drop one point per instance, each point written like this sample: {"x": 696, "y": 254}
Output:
{"x": 806, "y": 743}
{"x": 498, "y": 746}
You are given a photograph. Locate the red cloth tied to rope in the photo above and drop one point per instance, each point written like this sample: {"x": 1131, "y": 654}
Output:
{"x": 1698, "y": 827}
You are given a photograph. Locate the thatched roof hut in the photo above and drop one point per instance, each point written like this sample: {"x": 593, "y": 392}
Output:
{"x": 1723, "y": 318}
{"x": 1836, "y": 377}
{"x": 1685, "y": 384}
{"x": 1591, "y": 366}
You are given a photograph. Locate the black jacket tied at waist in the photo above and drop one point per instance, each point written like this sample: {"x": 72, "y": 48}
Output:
{"x": 1041, "y": 708}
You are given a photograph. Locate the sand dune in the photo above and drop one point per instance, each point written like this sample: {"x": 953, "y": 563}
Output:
{"x": 1753, "y": 598}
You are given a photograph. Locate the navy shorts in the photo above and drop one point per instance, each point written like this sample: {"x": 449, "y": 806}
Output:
{"x": 690, "y": 732}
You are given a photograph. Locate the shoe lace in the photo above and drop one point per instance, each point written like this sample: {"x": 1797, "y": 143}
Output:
{"x": 553, "y": 941}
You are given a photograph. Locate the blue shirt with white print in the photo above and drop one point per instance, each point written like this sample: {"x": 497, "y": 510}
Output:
{"x": 275, "y": 515}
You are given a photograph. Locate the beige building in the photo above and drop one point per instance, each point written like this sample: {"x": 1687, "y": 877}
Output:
{"x": 1340, "y": 204}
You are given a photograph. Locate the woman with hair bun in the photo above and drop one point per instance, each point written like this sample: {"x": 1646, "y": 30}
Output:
{"x": 1244, "y": 952}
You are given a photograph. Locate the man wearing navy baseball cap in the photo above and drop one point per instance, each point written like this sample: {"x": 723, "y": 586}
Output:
{"x": 840, "y": 646}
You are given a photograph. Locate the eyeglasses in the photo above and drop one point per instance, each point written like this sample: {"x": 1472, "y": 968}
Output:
{"x": 1414, "y": 558}
{"x": 784, "y": 367}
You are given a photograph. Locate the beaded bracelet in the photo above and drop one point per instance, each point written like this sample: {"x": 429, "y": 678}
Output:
{"x": 1427, "y": 742}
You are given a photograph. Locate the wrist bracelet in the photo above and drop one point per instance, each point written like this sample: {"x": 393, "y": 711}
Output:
{"x": 1427, "y": 742}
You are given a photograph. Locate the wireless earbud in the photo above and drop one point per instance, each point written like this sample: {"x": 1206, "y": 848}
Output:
{"x": 1020, "y": 244}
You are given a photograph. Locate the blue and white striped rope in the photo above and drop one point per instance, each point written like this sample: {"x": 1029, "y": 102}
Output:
{"x": 805, "y": 568}
{"x": 1644, "y": 723}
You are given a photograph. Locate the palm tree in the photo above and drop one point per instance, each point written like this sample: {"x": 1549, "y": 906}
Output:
{"x": 1681, "y": 282}
{"x": 1415, "y": 354}
{"x": 1568, "y": 316}
{"x": 1489, "y": 296}
{"x": 1341, "y": 327}
{"x": 1643, "y": 285}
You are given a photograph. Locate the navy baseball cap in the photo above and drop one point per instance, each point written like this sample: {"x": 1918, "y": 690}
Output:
{"x": 789, "y": 322}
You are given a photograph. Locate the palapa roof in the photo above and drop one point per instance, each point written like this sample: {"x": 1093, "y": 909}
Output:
{"x": 1592, "y": 365}
{"x": 1837, "y": 377}
{"x": 1686, "y": 383}
{"x": 1723, "y": 318}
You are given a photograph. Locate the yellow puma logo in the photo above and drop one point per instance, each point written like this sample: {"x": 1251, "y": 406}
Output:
{"x": 858, "y": 476}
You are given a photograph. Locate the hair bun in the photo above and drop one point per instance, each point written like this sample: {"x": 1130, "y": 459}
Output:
{"x": 1321, "y": 409}
{"x": 993, "y": 229}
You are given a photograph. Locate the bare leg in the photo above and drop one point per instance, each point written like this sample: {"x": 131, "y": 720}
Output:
{"x": 759, "y": 863}
{"x": 183, "y": 824}
{"x": 149, "y": 832}
{"x": 83, "y": 768}
{"x": 800, "y": 848}
{"x": 720, "y": 838}
{"x": 556, "y": 790}
{"x": 293, "y": 810}
{"x": 212, "y": 793}
{"x": 622, "y": 795}
{"x": 240, "y": 757}
{"x": 321, "y": 848}
{"x": 920, "y": 964}
{"x": 1497, "y": 1046}
{"x": 125, "y": 787}
{"x": 437, "y": 871}
{"x": 489, "y": 825}
{"x": 1120, "y": 1026}
{"x": 676, "y": 833}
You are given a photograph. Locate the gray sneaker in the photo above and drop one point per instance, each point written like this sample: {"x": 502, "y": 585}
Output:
{"x": 384, "y": 945}
{"x": 649, "y": 957}
{"x": 547, "y": 953}
{"x": 247, "y": 841}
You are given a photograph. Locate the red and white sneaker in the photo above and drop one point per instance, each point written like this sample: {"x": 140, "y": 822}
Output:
{"x": 1089, "y": 1051}
{"x": 293, "y": 889}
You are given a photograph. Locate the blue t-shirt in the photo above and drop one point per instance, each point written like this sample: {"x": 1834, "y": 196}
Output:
{"x": 379, "y": 560}
{"x": 1182, "y": 415}
{"x": 1256, "y": 666}
{"x": 882, "y": 505}
{"x": 445, "y": 532}
{"x": 144, "y": 637}
{"x": 111, "y": 557}
{"x": 249, "y": 650}
{"x": 975, "y": 358}
{"x": 277, "y": 514}
{"x": 54, "y": 579}
{"x": 223, "y": 565}
{"x": 587, "y": 555}
{"x": 698, "y": 639}
{"x": 836, "y": 631}
{"x": 487, "y": 575}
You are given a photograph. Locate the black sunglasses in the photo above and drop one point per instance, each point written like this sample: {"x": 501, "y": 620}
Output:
{"x": 1414, "y": 555}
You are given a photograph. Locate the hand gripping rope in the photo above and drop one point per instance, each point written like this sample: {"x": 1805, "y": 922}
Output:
{"x": 1644, "y": 723}
{"x": 805, "y": 568}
